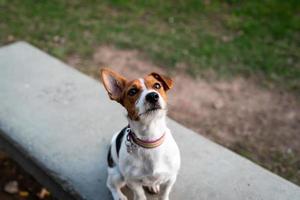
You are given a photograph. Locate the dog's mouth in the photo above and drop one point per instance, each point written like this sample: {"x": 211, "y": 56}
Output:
{"x": 152, "y": 110}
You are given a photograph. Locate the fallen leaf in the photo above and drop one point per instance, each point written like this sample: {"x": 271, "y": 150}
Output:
{"x": 43, "y": 193}
{"x": 11, "y": 187}
{"x": 23, "y": 193}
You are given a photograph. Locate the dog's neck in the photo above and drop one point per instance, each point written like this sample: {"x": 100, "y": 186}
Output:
{"x": 149, "y": 129}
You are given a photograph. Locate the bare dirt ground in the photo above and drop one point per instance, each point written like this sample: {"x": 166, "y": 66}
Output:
{"x": 261, "y": 124}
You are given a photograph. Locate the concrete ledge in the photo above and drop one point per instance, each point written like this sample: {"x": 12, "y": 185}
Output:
{"x": 57, "y": 123}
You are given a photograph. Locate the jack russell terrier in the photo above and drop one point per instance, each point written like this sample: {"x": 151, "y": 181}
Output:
{"x": 144, "y": 153}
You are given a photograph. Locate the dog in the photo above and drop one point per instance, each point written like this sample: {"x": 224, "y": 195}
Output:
{"x": 144, "y": 154}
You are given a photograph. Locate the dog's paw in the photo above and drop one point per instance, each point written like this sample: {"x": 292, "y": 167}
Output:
{"x": 119, "y": 197}
{"x": 155, "y": 189}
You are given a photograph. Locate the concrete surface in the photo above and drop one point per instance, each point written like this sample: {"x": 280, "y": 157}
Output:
{"x": 57, "y": 123}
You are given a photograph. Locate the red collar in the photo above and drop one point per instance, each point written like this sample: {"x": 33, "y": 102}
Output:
{"x": 148, "y": 144}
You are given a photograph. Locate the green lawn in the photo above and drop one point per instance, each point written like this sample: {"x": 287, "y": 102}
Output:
{"x": 252, "y": 38}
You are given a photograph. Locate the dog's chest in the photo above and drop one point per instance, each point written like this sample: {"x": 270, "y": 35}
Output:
{"x": 148, "y": 166}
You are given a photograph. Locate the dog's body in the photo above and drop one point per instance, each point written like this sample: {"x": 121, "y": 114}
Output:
{"x": 144, "y": 153}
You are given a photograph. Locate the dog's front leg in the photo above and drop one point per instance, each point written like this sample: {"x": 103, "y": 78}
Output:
{"x": 138, "y": 190}
{"x": 115, "y": 182}
{"x": 168, "y": 186}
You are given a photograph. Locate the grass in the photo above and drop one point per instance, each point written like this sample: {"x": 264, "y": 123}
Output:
{"x": 229, "y": 37}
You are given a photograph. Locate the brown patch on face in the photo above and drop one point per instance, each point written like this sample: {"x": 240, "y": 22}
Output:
{"x": 153, "y": 81}
{"x": 166, "y": 82}
{"x": 123, "y": 91}
{"x": 131, "y": 94}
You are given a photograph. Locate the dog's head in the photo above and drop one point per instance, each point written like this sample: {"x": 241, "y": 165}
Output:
{"x": 143, "y": 98}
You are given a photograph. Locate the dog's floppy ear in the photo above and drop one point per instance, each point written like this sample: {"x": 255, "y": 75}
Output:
{"x": 114, "y": 83}
{"x": 164, "y": 80}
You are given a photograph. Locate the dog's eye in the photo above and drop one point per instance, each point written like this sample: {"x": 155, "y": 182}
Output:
{"x": 132, "y": 91}
{"x": 156, "y": 86}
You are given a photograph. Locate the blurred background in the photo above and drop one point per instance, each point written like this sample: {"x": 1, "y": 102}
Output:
{"x": 236, "y": 66}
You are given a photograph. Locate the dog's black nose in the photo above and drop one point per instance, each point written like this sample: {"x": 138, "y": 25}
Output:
{"x": 152, "y": 97}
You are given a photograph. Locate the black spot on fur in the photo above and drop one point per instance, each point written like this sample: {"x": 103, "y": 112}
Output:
{"x": 110, "y": 161}
{"x": 119, "y": 140}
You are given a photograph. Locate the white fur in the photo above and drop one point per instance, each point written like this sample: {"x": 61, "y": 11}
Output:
{"x": 145, "y": 167}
